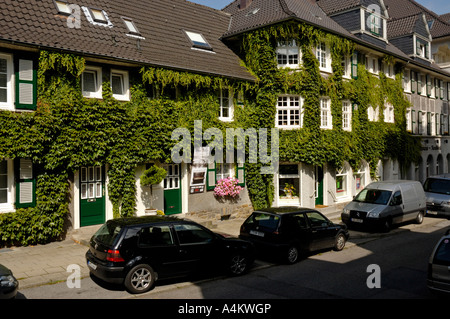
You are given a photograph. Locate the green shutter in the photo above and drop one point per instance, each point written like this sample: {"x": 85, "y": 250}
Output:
{"x": 25, "y": 183}
{"x": 240, "y": 174}
{"x": 26, "y": 83}
{"x": 211, "y": 176}
{"x": 413, "y": 81}
{"x": 428, "y": 79}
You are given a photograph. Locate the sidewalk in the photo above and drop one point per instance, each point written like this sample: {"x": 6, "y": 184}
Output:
{"x": 47, "y": 264}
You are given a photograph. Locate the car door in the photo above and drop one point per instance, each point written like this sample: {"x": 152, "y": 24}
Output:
{"x": 322, "y": 231}
{"x": 397, "y": 207}
{"x": 196, "y": 246}
{"x": 297, "y": 229}
{"x": 157, "y": 246}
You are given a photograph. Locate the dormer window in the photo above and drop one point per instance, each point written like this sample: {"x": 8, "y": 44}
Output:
{"x": 198, "y": 41}
{"x": 422, "y": 48}
{"x": 98, "y": 16}
{"x": 374, "y": 22}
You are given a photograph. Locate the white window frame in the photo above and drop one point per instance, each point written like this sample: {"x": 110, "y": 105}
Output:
{"x": 389, "y": 113}
{"x": 323, "y": 57}
{"x": 90, "y": 16}
{"x": 372, "y": 64}
{"x": 8, "y": 206}
{"x": 98, "y": 92}
{"x": 125, "y": 82}
{"x": 407, "y": 81}
{"x": 9, "y": 104}
{"x": 289, "y": 49}
{"x": 347, "y": 67}
{"x": 373, "y": 113}
{"x": 326, "y": 120}
{"x": 344, "y": 172}
{"x": 347, "y": 115}
{"x": 224, "y": 170}
{"x": 286, "y": 200}
{"x": 230, "y": 105}
{"x": 289, "y": 107}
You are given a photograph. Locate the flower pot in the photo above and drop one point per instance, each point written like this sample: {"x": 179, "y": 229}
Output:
{"x": 150, "y": 211}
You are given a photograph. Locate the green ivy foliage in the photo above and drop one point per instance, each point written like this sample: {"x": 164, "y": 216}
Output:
{"x": 69, "y": 131}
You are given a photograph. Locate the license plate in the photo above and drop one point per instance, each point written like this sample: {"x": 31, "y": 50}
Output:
{"x": 257, "y": 233}
{"x": 90, "y": 264}
{"x": 356, "y": 220}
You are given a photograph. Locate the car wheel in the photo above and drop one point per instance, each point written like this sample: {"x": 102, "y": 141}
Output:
{"x": 238, "y": 265}
{"x": 292, "y": 255}
{"x": 339, "y": 242}
{"x": 419, "y": 218}
{"x": 386, "y": 227}
{"x": 140, "y": 279}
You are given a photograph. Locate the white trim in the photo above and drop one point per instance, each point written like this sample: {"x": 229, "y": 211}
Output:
{"x": 9, "y": 104}
{"x": 289, "y": 112}
{"x": 327, "y": 109}
{"x": 230, "y": 106}
{"x": 8, "y": 207}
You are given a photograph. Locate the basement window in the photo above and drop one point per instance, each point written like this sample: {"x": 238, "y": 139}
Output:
{"x": 198, "y": 41}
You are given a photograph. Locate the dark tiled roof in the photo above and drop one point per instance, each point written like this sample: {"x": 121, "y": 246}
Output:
{"x": 160, "y": 22}
{"x": 333, "y": 6}
{"x": 402, "y": 26}
{"x": 266, "y": 12}
{"x": 403, "y": 8}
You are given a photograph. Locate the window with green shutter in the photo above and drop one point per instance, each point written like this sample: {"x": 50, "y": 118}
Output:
{"x": 26, "y": 83}
{"x": 240, "y": 174}
{"x": 211, "y": 176}
{"x": 25, "y": 183}
{"x": 354, "y": 63}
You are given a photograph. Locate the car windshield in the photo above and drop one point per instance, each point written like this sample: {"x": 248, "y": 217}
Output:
{"x": 266, "y": 221}
{"x": 107, "y": 234}
{"x": 373, "y": 196}
{"x": 442, "y": 256}
{"x": 437, "y": 185}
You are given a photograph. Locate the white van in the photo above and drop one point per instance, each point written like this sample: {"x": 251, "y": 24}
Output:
{"x": 383, "y": 204}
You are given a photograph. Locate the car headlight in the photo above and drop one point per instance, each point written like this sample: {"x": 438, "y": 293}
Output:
{"x": 372, "y": 215}
{"x": 346, "y": 211}
{"x": 7, "y": 281}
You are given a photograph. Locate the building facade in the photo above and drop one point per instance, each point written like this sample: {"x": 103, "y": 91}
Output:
{"x": 94, "y": 95}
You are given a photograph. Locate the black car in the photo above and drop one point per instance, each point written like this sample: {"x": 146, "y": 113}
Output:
{"x": 8, "y": 283}
{"x": 139, "y": 250}
{"x": 287, "y": 232}
{"x": 438, "y": 279}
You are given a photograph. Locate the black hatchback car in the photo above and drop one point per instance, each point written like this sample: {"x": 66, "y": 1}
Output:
{"x": 8, "y": 283}
{"x": 139, "y": 250}
{"x": 286, "y": 232}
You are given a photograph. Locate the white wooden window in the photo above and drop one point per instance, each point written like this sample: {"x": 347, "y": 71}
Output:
{"x": 288, "y": 54}
{"x": 120, "y": 85}
{"x": 289, "y": 112}
{"x": 389, "y": 113}
{"x": 373, "y": 113}
{"x": 324, "y": 57}
{"x": 224, "y": 170}
{"x": 325, "y": 114}
{"x": 91, "y": 82}
{"x": 226, "y": 107}
{"x": 407, "y": 81}
{"x": 346, "y": 116}
{"x": 6, "y": 82}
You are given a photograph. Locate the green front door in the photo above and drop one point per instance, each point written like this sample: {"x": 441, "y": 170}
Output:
{"x": 319, "y": 185}
{"x": 92, "y": 195}
{"x": 172, "y": 190}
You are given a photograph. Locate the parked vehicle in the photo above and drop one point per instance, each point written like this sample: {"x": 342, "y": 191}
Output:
{"x": 8, "y": 283}
{"x": 439, "y": 266}
{"x": 437, "y": 191}
{"x": 383, "y": 204}
{"x": 137, "y": 251}
{"x": 286, "y": 232}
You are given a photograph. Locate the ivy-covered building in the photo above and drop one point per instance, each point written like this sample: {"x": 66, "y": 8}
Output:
{"x": 95, "y": 96}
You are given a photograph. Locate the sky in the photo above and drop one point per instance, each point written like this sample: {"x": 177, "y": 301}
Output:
{"x": 438, "y": 6}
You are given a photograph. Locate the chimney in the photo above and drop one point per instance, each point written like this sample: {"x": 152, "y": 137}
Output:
{"x": 244, "y": 4}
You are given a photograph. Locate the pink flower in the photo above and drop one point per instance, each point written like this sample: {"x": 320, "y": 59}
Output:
{"x": 227, "y": 187}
